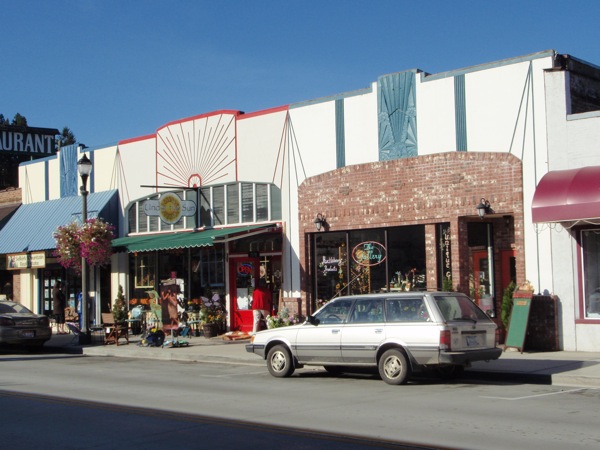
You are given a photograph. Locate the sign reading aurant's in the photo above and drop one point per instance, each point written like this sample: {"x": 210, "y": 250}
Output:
{"x": 29, "y": 141}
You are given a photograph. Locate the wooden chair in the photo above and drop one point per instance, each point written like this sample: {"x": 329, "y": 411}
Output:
{"x": 112, "y": 331}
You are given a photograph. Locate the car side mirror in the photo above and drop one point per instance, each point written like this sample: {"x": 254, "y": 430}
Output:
{"x": 312, "y": 320}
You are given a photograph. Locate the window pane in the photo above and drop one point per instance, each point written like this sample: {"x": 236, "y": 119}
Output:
{"x": 191, "y": 220}
{"x": 262, "y": 202}
{"x": 142, "y": 223}
{"x": 233, "y": 199}
{"x": 247, "y": 202}
{"x": 275, "y": 203}
{"x": 133, "y": 218}
{"x": 406, "y": 310}
{"x": 330, "y": 265}
{"x": 367, "y": 311}
{"x": 205, "y": 218}
{"x": 590, "y": 242}
{"x": 219, "y": 205}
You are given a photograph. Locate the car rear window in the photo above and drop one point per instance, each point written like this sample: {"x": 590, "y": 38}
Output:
{"x": 11, "y": 308}
{"x": 459, "y": 307}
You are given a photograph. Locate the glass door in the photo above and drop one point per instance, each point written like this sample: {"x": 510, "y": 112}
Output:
{"x": 244, "y": 277}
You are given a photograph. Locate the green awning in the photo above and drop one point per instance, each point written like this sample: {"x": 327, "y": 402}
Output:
{"x": 184, "y": 239}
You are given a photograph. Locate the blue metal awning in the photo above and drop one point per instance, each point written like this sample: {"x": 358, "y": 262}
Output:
{"x": 32, "y": 226}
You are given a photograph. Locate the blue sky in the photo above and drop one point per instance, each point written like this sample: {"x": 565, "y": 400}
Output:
{"x": 114, "y": 69}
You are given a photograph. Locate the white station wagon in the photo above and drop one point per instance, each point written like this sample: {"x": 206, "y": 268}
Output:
{"x": 398, "y": 333}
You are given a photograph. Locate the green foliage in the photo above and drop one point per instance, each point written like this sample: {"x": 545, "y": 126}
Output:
{"x": 66, "y": 137}
{"x": 447, "y": 285}
{"x": 19, "y": 120}
{"x": 507, "y": 303}
{"x": 119, "y": 309}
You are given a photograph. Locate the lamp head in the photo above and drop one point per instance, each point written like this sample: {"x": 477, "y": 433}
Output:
{"x": 320, "y": 222}
{"x": 484, "y": 208}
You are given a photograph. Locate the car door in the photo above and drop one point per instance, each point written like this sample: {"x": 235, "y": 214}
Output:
{"x": 364, "y": 332}
{"x": 321, "y": 342}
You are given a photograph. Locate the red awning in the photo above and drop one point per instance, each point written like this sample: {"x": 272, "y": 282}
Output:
{"x": 567, "y": 195}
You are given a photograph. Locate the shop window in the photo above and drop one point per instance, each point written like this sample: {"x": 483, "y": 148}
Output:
{"x": 145, "y": 271}
{"x": 590, "y": 244}
{"x": 338, "y": 272}
{"x": 331, "y": 260}
{"x": 212, "y": 267}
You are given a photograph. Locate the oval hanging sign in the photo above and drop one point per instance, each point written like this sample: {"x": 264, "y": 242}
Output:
{"x": 369, "y": 253}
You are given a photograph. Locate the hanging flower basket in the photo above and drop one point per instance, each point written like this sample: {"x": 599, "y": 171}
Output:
{"x": 91, "y": 241}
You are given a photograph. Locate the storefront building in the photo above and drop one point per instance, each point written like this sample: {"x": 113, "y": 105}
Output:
{"x": 396, "y": 171}
{"x": 416, "y": 220}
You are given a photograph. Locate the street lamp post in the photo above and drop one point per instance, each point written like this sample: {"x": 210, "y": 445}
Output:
{"x": 84, "y": 167}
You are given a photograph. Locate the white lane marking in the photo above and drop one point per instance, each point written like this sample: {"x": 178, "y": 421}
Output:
{"x": 538, "y": 395}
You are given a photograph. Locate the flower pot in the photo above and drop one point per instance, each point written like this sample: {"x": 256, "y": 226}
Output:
{"x": 210, "y": 330}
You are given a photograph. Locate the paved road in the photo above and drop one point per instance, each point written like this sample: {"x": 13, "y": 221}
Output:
{"x": 232, "y": 399}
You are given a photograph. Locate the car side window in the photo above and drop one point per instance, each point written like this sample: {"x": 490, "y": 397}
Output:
{"x": 367, "y": 311}
{"x": 334, "y": 312}
{"x": 406, "y": 310}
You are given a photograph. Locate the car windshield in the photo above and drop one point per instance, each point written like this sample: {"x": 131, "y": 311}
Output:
{"x": 12, "y": 308}
{"x": 459, "y": 307}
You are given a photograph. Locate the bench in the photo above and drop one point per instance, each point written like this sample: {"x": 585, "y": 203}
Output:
{"x": 113, "y": 331}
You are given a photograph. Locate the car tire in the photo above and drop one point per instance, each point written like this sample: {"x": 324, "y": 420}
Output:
{"x": 393, "y": 367}
{"x": 279, "y": 362}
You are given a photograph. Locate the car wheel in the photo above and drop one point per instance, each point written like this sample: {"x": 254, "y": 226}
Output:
{"x": 279, "y": 362}
{"x": 393, "y": 367}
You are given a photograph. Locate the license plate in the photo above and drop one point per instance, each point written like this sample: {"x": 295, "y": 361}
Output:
{"x": 28, "y": 333}
{"x": 472, "y": 341}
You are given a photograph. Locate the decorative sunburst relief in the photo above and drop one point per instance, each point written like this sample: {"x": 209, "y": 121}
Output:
{"x": 198, "y": 151}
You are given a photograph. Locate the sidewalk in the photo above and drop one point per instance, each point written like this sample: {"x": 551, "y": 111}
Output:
{"x": 579, "y": 369}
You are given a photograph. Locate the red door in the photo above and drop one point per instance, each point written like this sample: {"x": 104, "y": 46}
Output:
{"x": 244, "y": 274}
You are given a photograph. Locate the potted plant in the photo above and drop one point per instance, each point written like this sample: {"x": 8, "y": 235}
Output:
{"x": 506, "y": 309}
{"x": 119, "y": 310}
{"x": 213, "y": 319}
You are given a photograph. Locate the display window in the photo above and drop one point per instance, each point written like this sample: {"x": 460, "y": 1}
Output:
{"x": 365, "y": 261}
{"x": 590, "y": 246}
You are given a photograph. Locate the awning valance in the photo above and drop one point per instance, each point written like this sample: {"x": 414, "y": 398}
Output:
{"x": 32, "y": 226}
{"x": 184, "y": 239}
{"x": 567, "y": 195}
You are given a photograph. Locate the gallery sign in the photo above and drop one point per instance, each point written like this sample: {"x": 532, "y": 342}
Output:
{"x": 35, "y": 260}
{"x": 170, "y": 208}
{"x": 26, "y": 140}
{"x": 369, "y": 253}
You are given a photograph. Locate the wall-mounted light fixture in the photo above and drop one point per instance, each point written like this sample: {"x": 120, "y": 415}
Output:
{"x": 320, "y": 222}
{"x": 484, "y": 208}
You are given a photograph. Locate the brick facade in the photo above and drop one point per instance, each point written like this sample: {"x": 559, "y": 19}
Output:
{"x": 423, "y": 190}
{"x": 12, "y": 196}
